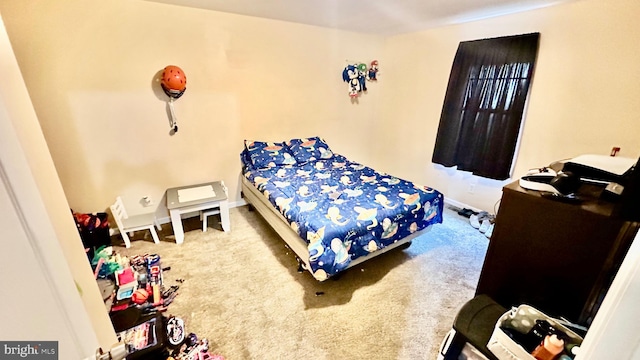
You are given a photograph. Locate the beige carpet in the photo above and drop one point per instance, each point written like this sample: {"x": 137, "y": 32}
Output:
{"x": 242, "y": 292}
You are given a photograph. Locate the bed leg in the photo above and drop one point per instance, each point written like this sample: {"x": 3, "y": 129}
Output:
{"x": 336, "y": 277}
{"x": 405, "y": 246}
{"x": 301, "y": 265}
{"x": 249, "y": 206}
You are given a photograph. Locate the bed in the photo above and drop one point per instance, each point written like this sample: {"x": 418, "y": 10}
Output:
{"x": 334, "y": 213}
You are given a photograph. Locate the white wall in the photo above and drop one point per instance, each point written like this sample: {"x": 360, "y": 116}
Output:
{"x": 91, "y": 66}
{"x": 583, "y": 97}
{"x": 48, "y": 289}
{"x": 104, "y": 117}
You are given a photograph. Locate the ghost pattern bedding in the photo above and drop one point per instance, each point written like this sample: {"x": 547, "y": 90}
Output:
{"x": 342, "y": 209}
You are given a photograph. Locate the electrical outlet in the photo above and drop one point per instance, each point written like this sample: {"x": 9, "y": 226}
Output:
{"x": 471, "y": 189}
{"x": 146, "y": 201}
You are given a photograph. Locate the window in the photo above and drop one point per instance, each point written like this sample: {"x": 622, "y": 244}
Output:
{"x": 484, "y": 104}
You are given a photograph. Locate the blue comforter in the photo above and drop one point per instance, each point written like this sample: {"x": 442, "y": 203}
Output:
{"x": 345, "y": 210}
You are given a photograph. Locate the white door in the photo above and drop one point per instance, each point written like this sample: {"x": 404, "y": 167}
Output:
{"x": 39, "y": 299}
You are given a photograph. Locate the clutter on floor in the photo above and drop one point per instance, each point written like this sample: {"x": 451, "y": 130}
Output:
{"x": 137, "y": 297}
{"x": 484, "y": 329}
{"x": 466, "y": 212}
{"x": 483, "y": 221}
{"x": 93, "y": 230}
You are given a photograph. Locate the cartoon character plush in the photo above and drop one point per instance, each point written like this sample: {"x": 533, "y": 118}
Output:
{"x": 350, "y": 75}
{"x": 362, "y": 76}
{"x": 373, "y": 71}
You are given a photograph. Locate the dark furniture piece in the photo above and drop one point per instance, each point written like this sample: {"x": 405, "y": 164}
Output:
{"x": 558, "y": 257}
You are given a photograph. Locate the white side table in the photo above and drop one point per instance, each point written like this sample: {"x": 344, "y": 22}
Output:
{"x": 192, "y": 198}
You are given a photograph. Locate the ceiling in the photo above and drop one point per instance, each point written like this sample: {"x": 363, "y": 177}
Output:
{"x": 380, "y": 17}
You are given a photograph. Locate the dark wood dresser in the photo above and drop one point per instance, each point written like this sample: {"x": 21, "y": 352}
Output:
{"x": 558, "y": 257}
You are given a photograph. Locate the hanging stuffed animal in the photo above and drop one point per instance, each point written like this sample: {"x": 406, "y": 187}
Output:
{"x": 373, "y": 71}
{"x": 362, "y": 76}
{"x": 350, "y": 75}
{"x": 174, "y": 84}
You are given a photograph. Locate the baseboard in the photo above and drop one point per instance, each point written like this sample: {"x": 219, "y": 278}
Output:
{"x": 459, "y": 205}
{"x": 241, "y": 202}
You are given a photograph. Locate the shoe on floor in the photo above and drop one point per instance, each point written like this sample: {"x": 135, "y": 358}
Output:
{"x": 489, "y": 231}
{"x": 486, "y": 224}
{"x": 476, "y": 219}
{"x": 466, "y": 212}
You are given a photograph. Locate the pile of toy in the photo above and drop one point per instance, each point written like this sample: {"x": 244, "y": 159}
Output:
{"x": 138, "y": 280}
{"x": 141, "y": 284}
{"x": 137, "y": 302}
{"x": 192, "y": 348}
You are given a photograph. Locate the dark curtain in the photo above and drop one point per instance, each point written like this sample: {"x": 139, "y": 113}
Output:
{"x": 483, "y": 106}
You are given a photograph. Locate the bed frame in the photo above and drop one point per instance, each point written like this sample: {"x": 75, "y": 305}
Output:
{"x": 256, "y": 199}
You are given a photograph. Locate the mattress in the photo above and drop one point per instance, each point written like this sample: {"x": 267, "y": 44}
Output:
{"x": 342, "y": 209}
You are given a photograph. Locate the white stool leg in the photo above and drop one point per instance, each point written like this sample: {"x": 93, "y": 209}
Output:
{"x": 204, "y": 221}
{"x": 154, "y": 235}
{"x": 224, "y": 216}
{"x": 125, "y": 237}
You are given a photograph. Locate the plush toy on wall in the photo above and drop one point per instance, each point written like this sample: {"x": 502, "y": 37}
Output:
{"x": 174, "y": 84}
{"x": 373, "y": 71}
{"x": 357, "y": 74}
{"x": 350, "y": 75}
{"x": 362, "y": 76}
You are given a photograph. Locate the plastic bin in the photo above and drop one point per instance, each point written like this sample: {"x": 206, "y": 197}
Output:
{"x": 471, "y": 330}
